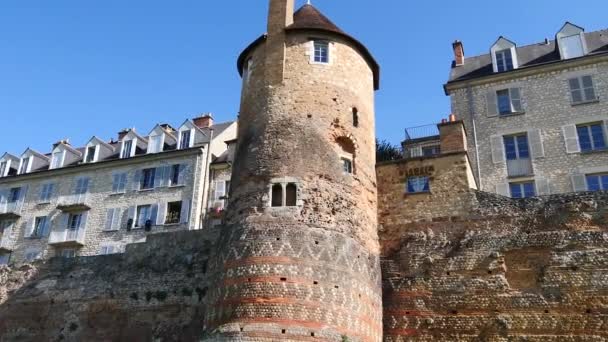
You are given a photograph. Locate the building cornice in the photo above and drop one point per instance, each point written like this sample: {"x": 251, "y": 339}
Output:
{"x": 113, "y": 163}
{"x": 523, "y": 72}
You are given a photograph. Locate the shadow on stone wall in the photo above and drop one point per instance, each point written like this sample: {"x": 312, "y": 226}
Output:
{"x": 156, "y": 290}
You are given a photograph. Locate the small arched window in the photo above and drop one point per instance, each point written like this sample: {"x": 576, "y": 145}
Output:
{"x": 291, "y": 195}
{"x": 355, "y": 117}
{"x": 277, "y": 195}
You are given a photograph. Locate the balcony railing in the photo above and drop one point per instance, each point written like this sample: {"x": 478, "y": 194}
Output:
{"x": 72, "y": 203}
{"x": 11, "y": 209}
{"x": 519, "y": 168}
{"x": 421, "y": 133}
{"x": 67, "y": 237}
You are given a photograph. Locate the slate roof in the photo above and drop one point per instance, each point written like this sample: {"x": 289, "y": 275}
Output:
{"x": 528, "y": 56}
{"x": 308, "y": 18}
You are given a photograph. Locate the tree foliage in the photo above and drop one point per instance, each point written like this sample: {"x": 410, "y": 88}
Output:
{"x": 385, "y": 151}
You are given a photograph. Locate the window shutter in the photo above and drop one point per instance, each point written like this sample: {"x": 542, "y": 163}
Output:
{"x": 537, "y": 150}
{"x": 83, "y": 220}
{"x": 192, "y": 136}
{"x": 154, "y": 214}
{"x": 579, "y": 182}
{"x": 3, "y": 196}
{"x": 516, "y": 103}
{"x": 492, "y": 103}
{"x": 503, "y": 189}
{"x": 110, "y": 218}
{"x": 543, "y": 188}
{"x": 29, "y": 227}
{"x": 185, "y": 214}
{"x": 162, "y": 213}
{"x": 63, "y": 221}
{"x": 498, "y": 149}
{"x": 22, "y": 194}
{"x": 115, "y": 182}
{"x": 136, "y": 180}
{"x": 131, "y": 216}
{"x": 46, "y": 229}
{"x": 183, "y": 170}
{"x": 116, "y": 219}
{"x": 571, "y": 139}
{"x": 588, "y": 88}
{"x": 159, "y": 175}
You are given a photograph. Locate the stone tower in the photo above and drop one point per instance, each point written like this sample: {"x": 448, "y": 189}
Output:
{"x": 299, "y": 255}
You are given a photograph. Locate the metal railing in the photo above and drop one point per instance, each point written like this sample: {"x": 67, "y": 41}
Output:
{"x": 421, "y": 132}
{"x": 67, "y": 236}
{"x": 519, "y": 167}
{"x": 10, "y": 207}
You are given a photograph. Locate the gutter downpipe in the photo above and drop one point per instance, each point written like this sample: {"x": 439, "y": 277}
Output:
{"x": 206, "y": 182}
{"x": 472, "y": 113}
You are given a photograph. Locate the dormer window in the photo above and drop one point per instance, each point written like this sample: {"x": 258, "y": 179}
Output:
{"x": 504, "y": 55}
{"x": 504, "y": 60}
{"x": 571, "y": 41}
{"x": 25, "y": 165}
{"x": 90, "y": 157}
{"x": 321, "y": 51}
{"x": 156, "y": 144}
{"x": 127, "y": 149}
{"x": 57, "y": 160}
{"x": 184, "y": 139}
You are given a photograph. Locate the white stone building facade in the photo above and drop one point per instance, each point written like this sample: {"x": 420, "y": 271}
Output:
{"x": 536, "y": 115}
{"x": 98, "y": 198}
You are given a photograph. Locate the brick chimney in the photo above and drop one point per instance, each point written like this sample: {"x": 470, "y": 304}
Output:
{"x": 280, "y": 15}
{"x": 203, "y": 121}
{"x": 124, "y": 132}
{"x": 453, "y": 135}
{"x": 458, "y": 52}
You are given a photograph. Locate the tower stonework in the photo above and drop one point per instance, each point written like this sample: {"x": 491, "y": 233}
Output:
{"x": 298, "y": 258}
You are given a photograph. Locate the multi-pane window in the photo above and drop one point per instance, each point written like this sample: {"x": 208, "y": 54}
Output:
{"x": 284, "y": 195}
{"x": 68, "y": 253}
{"x": 127, "y": 146}
{"x": 597, "y": 182}
{"x": 14, "y": 195}
{"x": 91, "y": 154}
{"x": 509, "y": 101}
{"x": 74, "y": 221}
{"x": 3, "y": 168}
{"x": 321, "y": 51}
{"x": 418, "y": 184}
{"x": 522, "y": 190}
{"x": 144, "y": 214}
{"x": 40, "y": 227}
{"x": 175, "y": 176}
{"x": 147, "y": 179}
{"x": 347, "y": 165}
{"x": 591, "y": 137}
{"x": 582, "y": 89}
{"x": 108, "y": 249}
{"x": 504, "y": 60}
{"x": 185, "y": 139}
{"x": 57, "y": 159}
{"x": 516, "y": 147}
{"x": 113, "y": 219}
{"x": 25, "y": 162}
{"x": 46, "y": 192}
{"x": 119, "y": 182}
{"x": 572, "y": 46}
{"x": 174, "y": 210}
{"x": 429, "y": 151}
{"x": 82, "y": 186}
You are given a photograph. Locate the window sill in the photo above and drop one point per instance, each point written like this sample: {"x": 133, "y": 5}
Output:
{"x": 582, "y": 103}
{"x": 528, "y": 176}
{"x": 110, "y": 230}
{"x": 169, "y": 225}
{"x": 604, "y": 150}
{"x": 146, "y": 190}
{"x": 117, "y": 194}
{"x": 417, "y": 193}
{"x": 508, "y": 115}
{"x": 176, "y": 186}
{"x": 319, "y": 63}
{"x": 43, "y": 203}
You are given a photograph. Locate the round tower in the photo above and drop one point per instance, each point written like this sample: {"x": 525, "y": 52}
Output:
{"x": 299, "y": 254}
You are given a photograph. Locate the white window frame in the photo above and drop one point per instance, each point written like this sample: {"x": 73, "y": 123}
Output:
{"x": 582, "y": 89}
{"x": 503, "y": 54}
{"x": 113, "y": 220}
{"x": 313, "y": 49}
{"x": 95, "y": 154}
{"x": 501, "y": 45}
{"x": 131, "y": 152}
{"x": 28, "y": 166}
{"x": 191, "y": 139}
{"x": 57, "y": 159}
{"x": 47, "y": 191}
{"x": 152, "y": 148}
{"x": 138, "y": 218}
{"x": 119, "y": 182}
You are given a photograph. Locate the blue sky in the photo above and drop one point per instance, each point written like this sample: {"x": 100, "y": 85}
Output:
{"x": 74, "y": 69}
